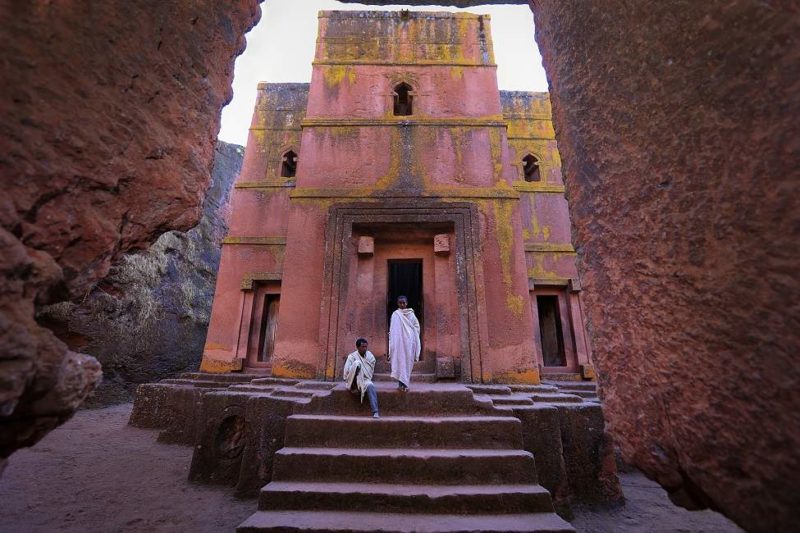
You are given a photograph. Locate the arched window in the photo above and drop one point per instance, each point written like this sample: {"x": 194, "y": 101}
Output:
{"x": 403, "y": 94}
{"x": 289, "y": 164}
{"x": 530, "y": 168}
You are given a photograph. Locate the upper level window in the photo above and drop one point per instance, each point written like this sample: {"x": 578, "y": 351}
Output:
{"x": 289, "y": 164}
{"x": 530, "y": 168}
{"x": 403, "y": 95}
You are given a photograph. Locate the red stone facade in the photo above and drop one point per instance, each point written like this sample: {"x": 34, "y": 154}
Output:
{"x": 401, "y": 167}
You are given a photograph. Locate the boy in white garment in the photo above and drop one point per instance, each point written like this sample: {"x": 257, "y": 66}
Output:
{"x": 404, "y": 343}
{"x": 358, "y": 371}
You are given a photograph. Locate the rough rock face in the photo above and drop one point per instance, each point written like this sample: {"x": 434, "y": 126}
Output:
{"x": 108, "y": 120}
{"x": 148, "y": 318}
{"x": 679, "y": 126}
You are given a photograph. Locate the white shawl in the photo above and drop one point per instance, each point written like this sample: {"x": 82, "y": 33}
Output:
{"x": 404, "y": 344}
{"x": 364, "y": 378}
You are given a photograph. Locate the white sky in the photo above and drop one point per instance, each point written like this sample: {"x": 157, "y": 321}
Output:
{"x": 281, "y": 47}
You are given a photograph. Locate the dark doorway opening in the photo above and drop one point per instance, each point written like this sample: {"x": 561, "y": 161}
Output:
{"x": 269, "y": 325}
{"x": 550, "y": 329}
{"x": 405, "y": 279}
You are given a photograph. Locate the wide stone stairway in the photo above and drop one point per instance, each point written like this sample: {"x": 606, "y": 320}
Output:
{"x": 439, "y": 459}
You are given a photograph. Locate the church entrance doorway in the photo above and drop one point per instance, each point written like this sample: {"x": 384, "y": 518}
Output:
{"x": 405, "y": 279}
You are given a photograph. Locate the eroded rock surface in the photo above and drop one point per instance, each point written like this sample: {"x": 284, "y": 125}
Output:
{"x": 678, "y": 125}
{"x": 108, "y": 121}
{"x": 147, "y": 320}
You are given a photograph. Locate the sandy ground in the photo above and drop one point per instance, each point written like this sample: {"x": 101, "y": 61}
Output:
{"x": 97, "y": 474}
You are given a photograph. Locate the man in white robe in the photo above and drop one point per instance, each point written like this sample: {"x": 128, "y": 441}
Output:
{"x": 358, "y": 371}
{"x": 404, "y": 343}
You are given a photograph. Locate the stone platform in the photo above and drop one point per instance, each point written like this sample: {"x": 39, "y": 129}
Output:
{"x": 443, "y": 456}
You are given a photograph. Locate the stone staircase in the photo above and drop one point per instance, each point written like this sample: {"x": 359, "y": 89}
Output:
{"x": 423, "y": 372}
{"x": 442, "y": 460}
{"x": 587, "y": 390}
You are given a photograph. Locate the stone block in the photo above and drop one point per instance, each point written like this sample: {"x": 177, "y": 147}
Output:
{"x": 445, "y": 367}
{"x": 441, "y": 244}
{"x": 541, "y": 435}
{"x": 574, "y": 285}
{"x": 221, "y": 438}
{"x": 588, "y": 454}
{"x": 266, "y": 422}
{"x": 366, "y": 245}
{"x": 169, "y": 407}
{"x": 587, "y": 372}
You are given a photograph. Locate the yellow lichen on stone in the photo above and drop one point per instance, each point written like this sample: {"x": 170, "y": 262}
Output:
{"x": 526, "y": 377}
{"x": 539, "y": 271}
{"x": 216, "y": 366}
{"x": 515, "y": 303}
{"x": 336, "y": 74}
{"x": 504, "y": 232}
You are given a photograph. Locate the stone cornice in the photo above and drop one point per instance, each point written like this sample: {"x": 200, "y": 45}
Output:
{"x": 526, "y": 186}
{"x": 452, "y": 193}
{"x": 484, "y": 122}
{"x": 251, "y": 277}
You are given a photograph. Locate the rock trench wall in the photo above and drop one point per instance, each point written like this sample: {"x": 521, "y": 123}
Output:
{"x": 679, "y": 127}
{"x": 108, "y": 122}
{"x": 148, "y": 318}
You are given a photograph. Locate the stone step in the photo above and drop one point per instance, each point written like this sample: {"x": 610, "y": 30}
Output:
{"x": 274, "y": 381}
{"x": 300, "y": 401}
{"x": 513, "y": 399}
{"x": 557, "y": 398}
{"x": 374, "y": 497}
{"x": 329, "y": 431}
{"x": 560, "y": 377}
{"x": 316, "y": 385}
{"x": 572, "y": 385}
{"x": 493, "y": 390}
{"x": 310, "y": 521}
{"x": 222, "y": 378}
{"x": 582, "y": 393}
{"x": 247, "y": 387}
{"x": 397, "y": 465}
{"x": 203, "y": 384}
{"x": 293, "y": 393}
{"x": 420, "y": 400}
{"x": 415, "y": 378}
{"x": 426, "y": 366}
{"x": 533, "y": 388}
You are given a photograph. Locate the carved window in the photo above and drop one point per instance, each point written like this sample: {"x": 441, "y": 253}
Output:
{"x": 403, "y": 95}
{"x": 289, "y": 164}
{"x": 530, "y": 168}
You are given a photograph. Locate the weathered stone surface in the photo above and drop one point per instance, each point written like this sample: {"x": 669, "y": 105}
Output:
{"x": 148, "y": 318}
{"x": 678, "y": 125}
{"x": 107, "y": 123}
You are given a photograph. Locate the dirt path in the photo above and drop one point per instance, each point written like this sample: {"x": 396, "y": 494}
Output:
{"x": 97, "y": 474}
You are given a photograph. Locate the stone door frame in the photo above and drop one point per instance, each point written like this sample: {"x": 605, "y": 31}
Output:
{"x": 339, "y": 250}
